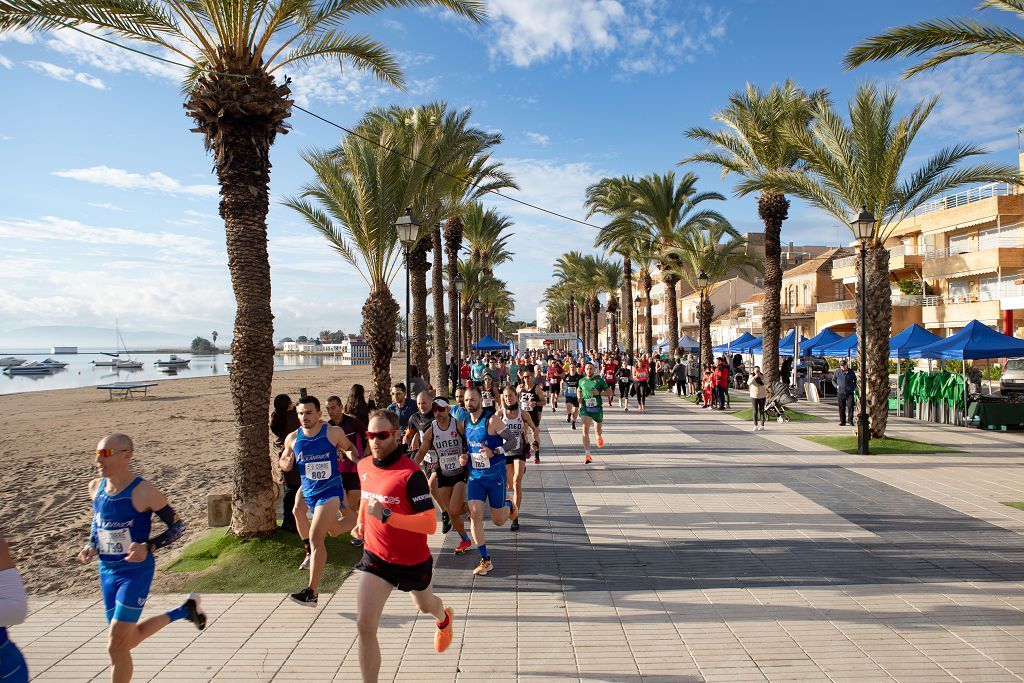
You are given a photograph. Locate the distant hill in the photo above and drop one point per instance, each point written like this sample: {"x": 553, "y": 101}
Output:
{"x": 45, "y": 336}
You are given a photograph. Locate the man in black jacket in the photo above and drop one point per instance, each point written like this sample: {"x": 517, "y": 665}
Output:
{"x": 845, "y": 380}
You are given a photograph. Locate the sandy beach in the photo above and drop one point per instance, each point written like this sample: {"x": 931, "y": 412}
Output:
{"x": 183, "y": 443}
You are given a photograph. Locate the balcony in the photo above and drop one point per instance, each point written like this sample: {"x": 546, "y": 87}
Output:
{"x": 851, "y": 304}
{"x": 902, "y": 257}
{"x": 798, "y": 310}
{"x": 957, "y": 311}
{"x": 968, "y": 196}
{"x": 974, "y": 258}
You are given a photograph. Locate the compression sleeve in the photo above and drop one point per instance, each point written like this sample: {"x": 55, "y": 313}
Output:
{"x": 421, "y": 523}
{"x": 175, "y": 528}
{"x": 13, "y": 599}
{"x": 494, "y": 442}
{"x": 417, "y": 492}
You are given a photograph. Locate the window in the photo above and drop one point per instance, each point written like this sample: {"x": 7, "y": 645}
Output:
{"x": 959, "y": 291}
{"x": 988, "y": 289}
{"x": 807, "y": 294}
{"x": 839, "y": 290}
{"x": 959, "y": 244}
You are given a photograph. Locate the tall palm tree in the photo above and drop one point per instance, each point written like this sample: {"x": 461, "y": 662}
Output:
{"x": 945, "y": 39}
{"x": 611, "y": 197}
{"x": 847, "y": 166}
{"x": 610, "y": 280}
{"x": 751, "y": 144}
{"x": 644, "y": 258}
{"x": 486, "y": 234}
{"x": 718, "y": 250}
{"x": 667, "y": 208}
{"x": 233, "y": 51}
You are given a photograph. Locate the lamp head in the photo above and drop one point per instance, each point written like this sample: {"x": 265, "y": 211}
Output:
{"x": 863, "y": 225}
{"x": 703, "y": 280}
{"x": 407, "y": 227}
{"x": 460, "y": 284}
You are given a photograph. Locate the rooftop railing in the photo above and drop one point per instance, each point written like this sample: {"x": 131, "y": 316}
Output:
{"x": 973, "y": 246}
{"x": 967, "y": 196}
{"x": 851, "y": 304}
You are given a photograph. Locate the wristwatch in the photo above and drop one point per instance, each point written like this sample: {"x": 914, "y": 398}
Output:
{"x": 385, "y": 515}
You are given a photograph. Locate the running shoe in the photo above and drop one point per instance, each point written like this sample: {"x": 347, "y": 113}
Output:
{"x": 536, "y": 459}
{"x": 600, "y": 442}
{"x": 305, "y": 597}
{"x": 484, "y": 568}
{"x": 462, "y": 547}
{"x": 587, "y": 460}
{"x": 305, "y": 562}
{"x": 515, "y": 525}
{"x": 574, "y": 425}
{"x": 195, "y": 611}
{"x": 446, "y": 522}
{"x": 568, "y": 419}
{"x": 443, "y": 637}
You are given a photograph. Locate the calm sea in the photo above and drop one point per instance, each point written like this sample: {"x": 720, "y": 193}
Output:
{"x": 81, "y": 372}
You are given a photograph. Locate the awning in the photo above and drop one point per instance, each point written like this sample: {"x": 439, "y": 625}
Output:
{"x": 968, "y": 273}
{"x": 957, "y": 226}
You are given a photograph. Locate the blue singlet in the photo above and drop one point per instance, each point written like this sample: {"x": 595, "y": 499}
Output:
{"x": 116, "y": 524}
{"x": 317, "y": 460}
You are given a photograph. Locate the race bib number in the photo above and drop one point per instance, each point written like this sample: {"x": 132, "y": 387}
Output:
{"x": 570, "y": 392}
{"x": 480, "y": 461}
{"x": 487, "y": 402}
{"x": 591, "y": 402}
{"x": 114, "y": 541}
{"x": 318, "y": 471}
{"x": 524, "y": 402}
{"x": 429, "y": 457}
{"x": 450, "y": 465}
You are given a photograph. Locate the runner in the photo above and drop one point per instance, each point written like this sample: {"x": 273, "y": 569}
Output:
{"x": 123, "y": 507}
{"x": 516, "y": 423}
{"x": 554, "y": 383}
{"x": 420, "y": 423}
{"x": 486, "y": 475}
{"x": 572, "y": 401}
{"x": 395, "y": 517}
{"x": 476, "y": 372}
{"x": 13, "y": 610}
{"x": 625, "y": 380}
{"x": 355, "y": 432}
{"x": 591, "y": 390}
{"x": 489, "y": 395}
{"x": 313, "y": 448}
{"x": 531, "y": 402}
{"x": 446, "y": 438}
{"x": 641, "y": 382}
{"x": 458, "y": 410}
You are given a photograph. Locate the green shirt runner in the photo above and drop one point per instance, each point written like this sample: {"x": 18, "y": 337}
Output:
{"x": 590, "y": 397}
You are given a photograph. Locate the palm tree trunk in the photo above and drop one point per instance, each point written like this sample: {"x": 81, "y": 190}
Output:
{"x": 243, "y": 170}
{"x": 879, "y": 327}
{"x": 707, "y": 314}
{"x": 419, "y": 265}
{"x": 595, "y": 314}
{"x": 648, "y": 326}
{"x": 773, "y": 209}
{"x": 439, "y": 368}
{"x": 380, "y": 321}
{"x": 672, "y": 311}
{"x": 452, "y": 245}
{"x": 627, "y": 308}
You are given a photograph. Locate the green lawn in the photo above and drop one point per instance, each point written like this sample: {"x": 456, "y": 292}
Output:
{"x": 1019, "y": 506}
{"x": 748, "y": 414}
{"x": 221, "y": 563}
{"x": 886, "y": 446}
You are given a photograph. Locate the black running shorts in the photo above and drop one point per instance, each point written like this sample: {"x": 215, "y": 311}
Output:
{"x": 445, "y": 482}
{"x": 350, "y": 480}
{"x": 406, "y": 578}
{"x": 509, "y": 459}
{"x": 572, "y": 401}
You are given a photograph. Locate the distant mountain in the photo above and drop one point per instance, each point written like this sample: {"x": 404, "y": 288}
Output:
{"x": 45, "y": 336}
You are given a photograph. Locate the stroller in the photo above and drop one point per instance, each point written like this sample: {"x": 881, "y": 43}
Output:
{"x": 780, "y": 397}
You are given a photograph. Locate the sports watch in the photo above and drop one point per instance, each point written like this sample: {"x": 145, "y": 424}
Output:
{"x": 385, "y": 515}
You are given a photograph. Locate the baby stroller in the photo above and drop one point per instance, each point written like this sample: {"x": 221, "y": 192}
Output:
{"x": 780, "y": 397}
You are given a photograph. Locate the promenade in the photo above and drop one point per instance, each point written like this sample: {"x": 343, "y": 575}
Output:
{"x": 693, "y": 549}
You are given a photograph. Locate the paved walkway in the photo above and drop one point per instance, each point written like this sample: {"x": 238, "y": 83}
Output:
{"x": 692, "y": 550}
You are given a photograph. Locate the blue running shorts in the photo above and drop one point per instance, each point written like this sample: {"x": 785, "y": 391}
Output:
{"x": 12, "y": 664}
{"x": 491, "y": 489}
{"x": 315, "y": 500}
{"x": 125, "y": 592}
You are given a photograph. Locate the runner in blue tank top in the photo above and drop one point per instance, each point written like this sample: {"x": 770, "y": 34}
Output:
{"x": 13, "y": 609}
{"x": 123, "y": 507}
{"x": 314, "y": 449}
{"x": 486, "y": 461}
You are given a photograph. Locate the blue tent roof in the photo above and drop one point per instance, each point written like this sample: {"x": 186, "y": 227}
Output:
{"x": 975, "y": 341}
{"x": 914, "y": 337}
{"x": 489, "y": 343}
{"x": 688, "y": 343}
{"x": 844, "y": 348}
{"x": 785, "y": 344}
{"x": 735, "y": 345}
{"x": 822, "y": 339}
{"x": 747, "y": 346}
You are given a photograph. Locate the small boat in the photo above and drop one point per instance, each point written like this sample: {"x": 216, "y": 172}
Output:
{"x": 119, "y": 363}
{"x": 11, "y": 361}
{"x": 33, "y": 368}
{"x": 54, "y": 364}
{"x": 174, "y": 362}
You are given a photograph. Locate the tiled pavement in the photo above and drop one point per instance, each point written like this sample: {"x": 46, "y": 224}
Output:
{"x": 691, "y": 550}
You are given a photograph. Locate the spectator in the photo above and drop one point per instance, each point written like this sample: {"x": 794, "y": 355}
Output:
{"x": 845, "y": 381}
{"x": 401, "y": 405}
{"x": 679, "y": 377}
{"x": 758, "y": 396}
{"x": 721, "y": 377}
{"x": 417, "y": 382}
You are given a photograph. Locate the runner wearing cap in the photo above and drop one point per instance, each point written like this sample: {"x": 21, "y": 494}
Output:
{"x": 446, "y": 439}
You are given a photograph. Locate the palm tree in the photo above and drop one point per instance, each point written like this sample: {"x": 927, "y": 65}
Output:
{"x": 611, "y": 197}
{"x": 717, "y": 250}
{"x": 644, "y": 257}
{"x": 485, "y": 232}
{"x": 610, "y": 280}
{"x": 946, "y": 39}
{"x": 667, "y": 209}
{"x": 846, "y": 167}
{"x": 233, "y": 51}
{"x": 752, "y": 144}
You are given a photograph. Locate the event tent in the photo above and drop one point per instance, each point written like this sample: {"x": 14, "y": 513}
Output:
{"x": 845, "y": 347}
{"x": 914, "y": 337}
{"x": 818, "y": 341}
{"x": 489, "y": 343}
{"x": 688, "y": 343}
{"x": 785, "y": 345}
{"x": 736, "y": 344}
{"x": 974, "y": 342}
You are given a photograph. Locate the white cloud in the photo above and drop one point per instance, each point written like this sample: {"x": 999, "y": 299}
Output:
{"x": 126, "y": 180}
{"x": 55, "y": 228}
{"x": 106, "y": 57}
{"x": 6, "y": 63}
{"x": 62, "y": 73}
{"x": 106, "y": 205}
{"x": 18, "y": 35}
{"x": 538, "y": 138}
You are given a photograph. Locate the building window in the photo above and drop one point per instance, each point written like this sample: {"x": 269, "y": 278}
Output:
{"x": 807, "y": 295}
{"x": 959, "y": 290}
{"x": 839, "y": 290}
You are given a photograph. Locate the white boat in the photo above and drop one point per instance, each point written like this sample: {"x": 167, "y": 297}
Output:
{"x": 11, "y": 361}
{"x": 174, "y": 362}
{"x": 33, "y": 368}
{"x": 51, "y": 363}
{"x": 116, "y": 361}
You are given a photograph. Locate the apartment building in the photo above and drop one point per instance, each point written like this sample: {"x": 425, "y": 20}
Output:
{"x": 726, "y": 296}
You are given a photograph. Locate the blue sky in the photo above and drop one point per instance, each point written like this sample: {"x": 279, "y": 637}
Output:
{"x": 109, "y": 205}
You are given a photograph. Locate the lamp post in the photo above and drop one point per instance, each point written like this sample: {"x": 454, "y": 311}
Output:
{"x": 608, "y": 330}
{"x": 863, "y": 229}
{"x": 702, "y": 284}
{"x": 459, "y": 284}
{"x": 476, "y": 323}
{"x": 408, "y": 231}
{"x": 636, "y": 321}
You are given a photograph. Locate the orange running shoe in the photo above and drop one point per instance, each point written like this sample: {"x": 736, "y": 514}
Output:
{"x": 587, "y": 460}
{"x": 600, "y": 442}
{"x": 462, "y": 547}
{"x": 443, "y": 636}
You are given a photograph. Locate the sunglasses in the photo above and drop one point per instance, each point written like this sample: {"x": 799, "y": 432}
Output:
{"x": 439, "y": 409}
{"x": 386, "y": 434}
{"x": 107, "y": 452}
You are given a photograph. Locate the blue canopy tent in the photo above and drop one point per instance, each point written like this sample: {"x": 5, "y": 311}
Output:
{"x": 820, "y": 340}
{"x": 910, "y": 339}
{"x": 785, "y": 344}
{"x": 747, "y": 346}
{"x": 489, "y": 343}
{"x": 975, "y": 341}
{"x": 844, "y": 348}
{"x": 688, "y": 344}
{"x": 736, "y": 345}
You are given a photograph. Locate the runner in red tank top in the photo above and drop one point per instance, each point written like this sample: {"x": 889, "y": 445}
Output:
{"x": 395, "y": 516}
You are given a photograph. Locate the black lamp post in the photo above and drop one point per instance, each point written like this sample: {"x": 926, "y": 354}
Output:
{"x": 408, "y": 231}
{"x": 476, "y": 324}
{"x": 702, "y": 284}
{"x": 460, "y": 284}
{"x": 636, "y": 322}
{"x": 863, "y": 229}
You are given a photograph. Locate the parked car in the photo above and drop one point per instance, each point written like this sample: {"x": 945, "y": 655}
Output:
{"x": 819, "y": 366}
{"x": 1011, "y": 383}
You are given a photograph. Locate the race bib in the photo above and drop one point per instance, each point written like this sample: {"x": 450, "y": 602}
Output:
{"x": 450, "y": 465}
{"x": 429, "y": 457}
{"x": 591, "y": 402}
{"x": 318, "y": 471}
{"x": 524, "y": 402}
{"x": 570, "y": 392}
{"x": 480, "y": 461}
{"x": 114, "y": 541}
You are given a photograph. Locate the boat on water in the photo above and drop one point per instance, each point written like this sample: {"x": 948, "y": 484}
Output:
{"x": 116, "y": 361}
{"x": 51, "y": 363}
{"x": 34, "y": 368}
{"x": 173, "y": 363}
{"x": 11, "y": 361}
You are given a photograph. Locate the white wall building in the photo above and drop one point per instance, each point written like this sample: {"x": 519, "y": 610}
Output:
{"x": 542, "y": 317}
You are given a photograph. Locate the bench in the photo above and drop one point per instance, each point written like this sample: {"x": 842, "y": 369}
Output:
{"x": 128, "y": 389}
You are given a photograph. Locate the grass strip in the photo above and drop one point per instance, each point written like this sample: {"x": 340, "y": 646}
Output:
{"x": 884, "y": 446}
{"x": 795, "y": 416}
{"x": 1019, "y": 506}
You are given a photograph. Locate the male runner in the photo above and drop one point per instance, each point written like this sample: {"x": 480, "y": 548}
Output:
{"x": 123, "y": 507}
{"x": 486, "y": 462}
{"x": 355, "y": 432}
{"x": 554, "y": 382}
{"x": 419, "y": 423}
{"x": 476, "y": 372}
{"x": 313, "y": 448}
{"x": 531, "y": 401}
{"x": 572, "y": 401}
{"x": 395, "y": 517}
{"x": 446, "y": 438}
{"x": 591, "y": 389}
{"x": 458, "y": 410}
{"x": 488, "y": 395}
{"x": 516, "y": 422}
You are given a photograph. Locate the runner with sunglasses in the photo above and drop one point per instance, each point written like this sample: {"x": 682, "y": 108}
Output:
{"x": 395, "y": 516}
{"x": 446, "y": 438}
{"x": 314, "y": 449}
{"x": 123, "y": 508}
{"x": 516, "y": 423}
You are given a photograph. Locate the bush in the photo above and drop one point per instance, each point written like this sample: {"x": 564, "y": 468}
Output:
{"x": 203, "y": 345}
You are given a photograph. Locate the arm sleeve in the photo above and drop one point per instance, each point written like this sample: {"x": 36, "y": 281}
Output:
{"x": 13, "y": 599}
{"x": 418, "y": 492}
{"x": 421, "y": 523}
{"x": 175, "y": 527}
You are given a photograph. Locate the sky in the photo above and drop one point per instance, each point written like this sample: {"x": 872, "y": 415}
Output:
{"x": 109, "y": 204}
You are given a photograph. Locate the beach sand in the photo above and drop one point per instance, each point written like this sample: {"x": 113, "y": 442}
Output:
{"x": 183, "y": 437}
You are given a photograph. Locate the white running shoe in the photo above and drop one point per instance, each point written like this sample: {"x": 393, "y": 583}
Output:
{"x": 305, "y": 562}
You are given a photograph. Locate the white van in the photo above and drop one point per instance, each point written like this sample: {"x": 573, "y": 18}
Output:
{"x": 1011, "y": 383}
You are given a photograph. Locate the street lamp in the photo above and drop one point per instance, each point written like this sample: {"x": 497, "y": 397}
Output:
{"x": 460, "y": 285}
{"x": 702, "y": 284}
{"x": 863, "y": 230}
{"x": 408, "y": 231}
{"x": 636, "y": 322}
{"x": 608, "y": 330}
{"x": 476, "y": 323}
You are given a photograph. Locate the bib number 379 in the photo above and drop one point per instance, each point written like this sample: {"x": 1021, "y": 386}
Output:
{"x": 114, "y": 541}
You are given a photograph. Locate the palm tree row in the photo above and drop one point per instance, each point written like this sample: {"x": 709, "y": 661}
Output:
{"x": 574, "y": 300}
